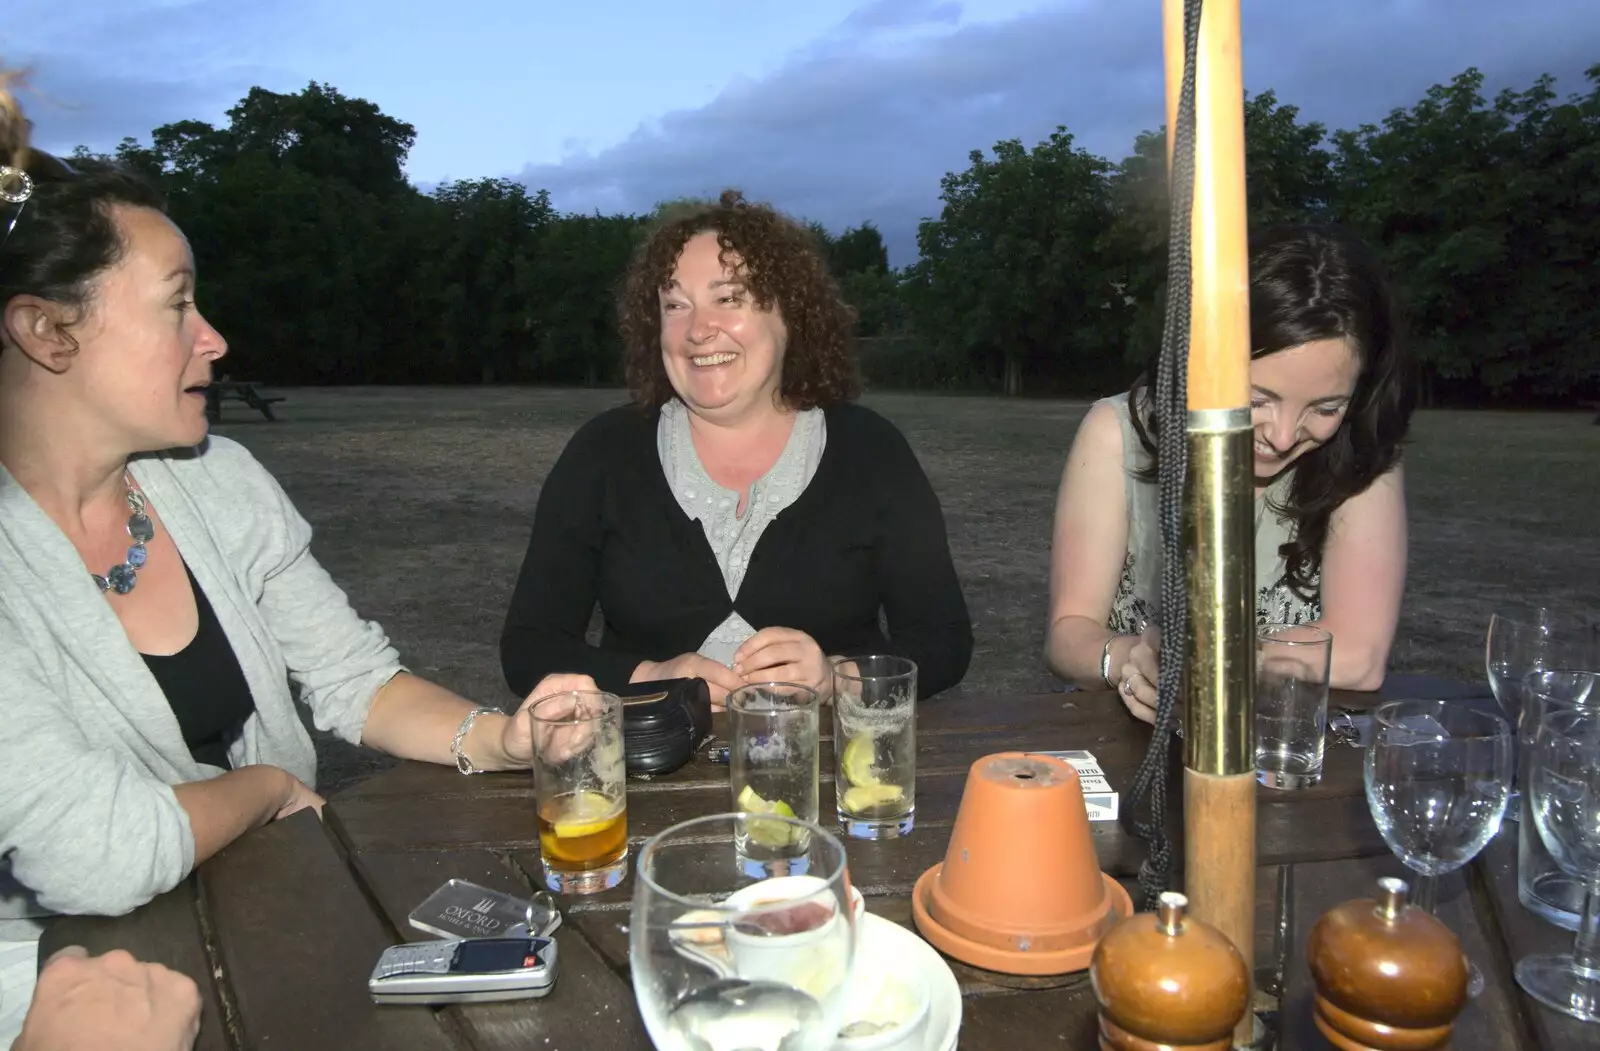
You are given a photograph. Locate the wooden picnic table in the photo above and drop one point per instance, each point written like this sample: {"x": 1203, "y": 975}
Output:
{"x": 282, "y": 928}
{"x": 237, "y": 390}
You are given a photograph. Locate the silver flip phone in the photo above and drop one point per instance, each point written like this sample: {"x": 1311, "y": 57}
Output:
{"x": 474, "y": 970}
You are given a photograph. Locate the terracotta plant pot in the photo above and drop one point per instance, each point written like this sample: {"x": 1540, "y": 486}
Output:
{"x": 1020, "y": 889}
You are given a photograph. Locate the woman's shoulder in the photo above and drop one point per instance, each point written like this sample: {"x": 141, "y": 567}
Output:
{"x": 852, "y": 422}
{"x": 220, "y": 463}
{"x": 868, "y": 440}
{"x": 621, "y": 427}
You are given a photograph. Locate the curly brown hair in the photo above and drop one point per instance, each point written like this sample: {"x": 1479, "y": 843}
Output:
{"x": 781, "y": 263}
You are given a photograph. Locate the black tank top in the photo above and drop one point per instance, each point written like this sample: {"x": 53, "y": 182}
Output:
{"x": 205, "y": 686}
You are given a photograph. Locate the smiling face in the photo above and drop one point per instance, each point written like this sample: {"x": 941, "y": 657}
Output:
{"x": 144, "y": 351}
{"x": 1298, "y": 399}
{"x": 723, "y": 354}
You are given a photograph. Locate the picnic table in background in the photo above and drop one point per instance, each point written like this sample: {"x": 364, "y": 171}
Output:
{"x": 236, "y": 390}
{"x": 282, "y": 928}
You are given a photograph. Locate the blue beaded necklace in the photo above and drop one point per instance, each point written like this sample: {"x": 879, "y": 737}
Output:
{"x": 122, "y": 578}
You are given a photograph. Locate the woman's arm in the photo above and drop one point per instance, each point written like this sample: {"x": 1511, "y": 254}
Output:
{"x": 1363, "y": 578}
{"x": 415, "y": 719}
{"x": 350, "y": 676}
{"x": 922, "y": 598}
{"x": 87, "y": 829}
{"x": 1087, "y": 550}
{"x": 555, "y": 594}
{"x": 226, "y": 807}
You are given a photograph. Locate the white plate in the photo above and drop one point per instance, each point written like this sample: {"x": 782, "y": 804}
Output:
{"x": 924, "y": 962}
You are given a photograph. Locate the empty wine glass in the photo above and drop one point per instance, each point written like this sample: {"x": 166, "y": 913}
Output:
{"x": 725, "y": 961}
{"x": 1564, "y": 793}
{"x": 1530, "y": 639}
{"x": 1437, "y": 775}
{"x": 1542, "y": 886}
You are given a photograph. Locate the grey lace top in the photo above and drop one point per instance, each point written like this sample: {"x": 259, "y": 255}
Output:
{"x": 1138, "y": 598}
{"x": 732, "y": 537}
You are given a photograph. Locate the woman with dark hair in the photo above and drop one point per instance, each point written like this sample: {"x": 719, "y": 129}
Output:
{"x": 1332, "y": 396}
{"x": 158, "y": 596}
{"x": 742, "y": 519}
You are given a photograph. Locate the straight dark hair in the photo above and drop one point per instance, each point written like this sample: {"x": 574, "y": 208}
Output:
{"x": 1307, "y": 284}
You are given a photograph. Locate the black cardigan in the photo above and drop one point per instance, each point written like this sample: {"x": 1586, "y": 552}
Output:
{"x": 866, "y": 533}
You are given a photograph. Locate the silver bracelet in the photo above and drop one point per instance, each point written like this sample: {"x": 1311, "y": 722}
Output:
{"x": 1105, "y": 662}
{"x": 462, "y": 762}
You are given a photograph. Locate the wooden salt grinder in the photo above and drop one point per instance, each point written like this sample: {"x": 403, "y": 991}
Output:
{"x": 1388, "y": 976}
{"x": 1166, "y": 982}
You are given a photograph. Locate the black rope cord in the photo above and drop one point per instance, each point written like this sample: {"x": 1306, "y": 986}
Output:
{"x": 1170, "y": 410}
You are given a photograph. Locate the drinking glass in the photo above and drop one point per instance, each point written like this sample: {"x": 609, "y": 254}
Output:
{"x": 1542, "y": 887}
{"x": 1437, "y": 777}
{"x": 725, "y": 962}
{"x": 773, "y": 763}
{"x": 875, "y": 745}
{"x": 1564, "y": 789}
{"x": 1292, "y": 664}
{"x": 1529, "y": 639}
{"x": 580, "y": 789}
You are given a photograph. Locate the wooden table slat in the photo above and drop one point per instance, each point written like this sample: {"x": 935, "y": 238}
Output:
{"x": 166, "y": 931}
{"x": 1291, "y": 827}
{"x": 298, "y": 940}
{"x": 1522, "y": 934}
{"x": 590, "y": 1007}
{"x": 1489, "y": 1022}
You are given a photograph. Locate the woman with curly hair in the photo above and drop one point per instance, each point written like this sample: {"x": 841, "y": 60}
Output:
{"x": 742, "y": 520}
{"x": 1331, "y": 397}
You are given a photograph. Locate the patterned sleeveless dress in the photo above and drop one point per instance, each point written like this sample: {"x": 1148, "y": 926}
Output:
{"x": 1138, "y": 599}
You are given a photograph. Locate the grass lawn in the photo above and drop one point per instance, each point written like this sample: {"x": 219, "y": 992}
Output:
{"x": 422, "y": 500}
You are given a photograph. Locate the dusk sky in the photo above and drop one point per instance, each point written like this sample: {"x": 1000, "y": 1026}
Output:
{"x": 836, "y": 110}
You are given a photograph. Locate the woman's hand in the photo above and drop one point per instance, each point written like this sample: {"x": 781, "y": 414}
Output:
{"x": 721, "y": 678}
{"x": 517, "y": 735}
{"x": 1140, "y": 673}
{"x": 783, "y": 655}
{"x": 93, "y": 1003}
{"x": 298, "y": 797}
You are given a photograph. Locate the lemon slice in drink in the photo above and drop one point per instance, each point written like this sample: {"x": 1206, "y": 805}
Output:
{"x": 856, "y": 763}
{"x": 584, "y": 814}
{"x": 865, "y": 797}
{"x": 766, "y": 833}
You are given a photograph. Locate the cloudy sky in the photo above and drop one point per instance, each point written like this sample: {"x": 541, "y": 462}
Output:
{"x": 838, "y": 110}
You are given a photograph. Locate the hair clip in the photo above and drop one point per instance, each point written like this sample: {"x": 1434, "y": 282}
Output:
{"x": 10, "y": 177}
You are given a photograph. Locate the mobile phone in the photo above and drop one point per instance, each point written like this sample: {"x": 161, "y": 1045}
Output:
{"x": 471, "y": 970}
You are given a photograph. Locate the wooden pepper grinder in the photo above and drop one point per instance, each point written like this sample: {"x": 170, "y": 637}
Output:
{"x": 1166, "y": 982}
{"x": 1389, "y": 976}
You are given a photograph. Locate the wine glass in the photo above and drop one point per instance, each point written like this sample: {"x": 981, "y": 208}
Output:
{"x": 723, "y": 960}
{"x": 1564, "y": 791}
{"x": 1542, "y": 886}
{"x": 1438, "y": 774}
{"x": 1523, "y": 640}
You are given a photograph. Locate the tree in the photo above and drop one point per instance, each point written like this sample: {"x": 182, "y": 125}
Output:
{"x": 1288, "y": 179}
{"x": 1044, "y": 269}
{"x": 1014, "y": 275}
{"x": 859, "y": 250}
{"x": 1487, "y": 217}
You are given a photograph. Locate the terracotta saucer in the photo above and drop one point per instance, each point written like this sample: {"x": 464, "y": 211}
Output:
{"x": 1011, "y": 960}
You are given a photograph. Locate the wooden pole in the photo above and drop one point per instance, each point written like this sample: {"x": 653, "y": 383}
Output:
{"x": 1219, "y": 702}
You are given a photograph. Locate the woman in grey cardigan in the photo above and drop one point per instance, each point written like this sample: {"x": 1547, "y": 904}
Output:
{"x": 157, "y": 591}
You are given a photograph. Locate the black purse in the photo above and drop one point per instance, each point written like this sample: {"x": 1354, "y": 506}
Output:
{"x": 664, "y": 723}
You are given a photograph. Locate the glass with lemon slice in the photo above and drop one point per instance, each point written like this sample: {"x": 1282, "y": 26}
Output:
{"x": 773, "y": 763}
{"x": 875, "y": 745}
{"x": 579, "y": 780}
